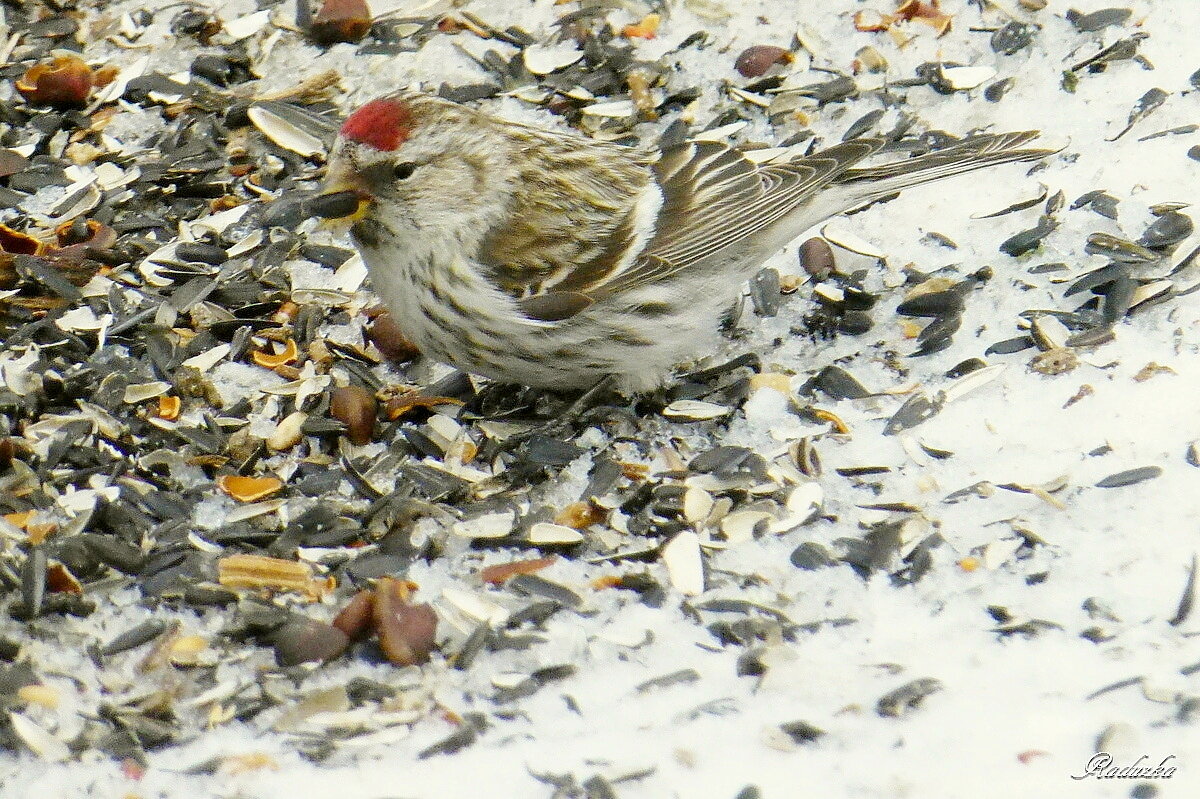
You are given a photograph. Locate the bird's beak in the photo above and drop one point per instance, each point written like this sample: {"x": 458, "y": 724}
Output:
{"x": 344, "y": 199}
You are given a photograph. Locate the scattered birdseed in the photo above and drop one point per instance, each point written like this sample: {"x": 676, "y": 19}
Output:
{"x": 199, "y": 488}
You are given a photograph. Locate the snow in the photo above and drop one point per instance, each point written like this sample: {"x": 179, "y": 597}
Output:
{"x": 1015, "y": 715}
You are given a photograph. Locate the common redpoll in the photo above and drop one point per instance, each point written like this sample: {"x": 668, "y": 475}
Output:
{"x": 552, "y": 260}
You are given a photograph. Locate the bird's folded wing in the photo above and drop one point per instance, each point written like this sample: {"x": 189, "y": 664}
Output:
{"x": 715, "y": 197}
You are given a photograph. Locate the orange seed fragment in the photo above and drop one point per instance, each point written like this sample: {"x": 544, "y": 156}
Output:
{"x": 500, "y": 572}
{"x": 275, "y": 360}
{"x": 248, "y": 489}
{"x": 169, "y": 407}
{"x": 579, "y": 515}
{"x": 646, "y": 28}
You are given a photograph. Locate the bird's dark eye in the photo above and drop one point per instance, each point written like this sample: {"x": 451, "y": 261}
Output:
{"x": 403, "y": 170}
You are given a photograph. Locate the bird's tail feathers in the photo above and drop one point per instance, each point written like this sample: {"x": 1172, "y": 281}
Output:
{"x": 871, "y": 183}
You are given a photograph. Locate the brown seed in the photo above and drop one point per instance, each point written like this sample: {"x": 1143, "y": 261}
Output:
{"x": 224, "y": 203}
{"x": 401, "y": 404}
{"x": 356, "y": 618}
{"x": 385, "y": 334}
{"x": 918, "y": 9}
{"x": 59, "y": 580}
{"x": 406, "y": 632}
{"x": 355, "y": 407}
{"x": 755, "y": 61}
{"x": 308, "y": 641}
{"x": 500, "y": 572}
{"x": 341, "y": 21}
{"x": 816, "y": 256}
{"x": 579, "y": 515}
{"x": 7, "y": 453}
{"x": 105, "y": 75}
{"x": 65, "y": 82}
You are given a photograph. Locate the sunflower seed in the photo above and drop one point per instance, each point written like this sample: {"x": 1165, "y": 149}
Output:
{"x": 1130, "y": 477}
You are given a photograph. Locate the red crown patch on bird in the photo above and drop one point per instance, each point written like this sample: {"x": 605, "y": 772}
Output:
{"x": 382, "y": 124}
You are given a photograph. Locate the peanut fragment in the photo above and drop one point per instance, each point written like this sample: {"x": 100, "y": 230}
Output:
{"x": 276, "y": 574}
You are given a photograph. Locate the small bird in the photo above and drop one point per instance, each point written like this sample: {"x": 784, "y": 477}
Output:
{"x": 548, "y": 259}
